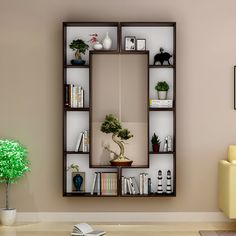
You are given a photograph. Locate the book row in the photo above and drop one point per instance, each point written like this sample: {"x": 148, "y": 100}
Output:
{"x": 74, "y": 96}
{"x": 82, "y": 143}
{"x": 104, "y": 183}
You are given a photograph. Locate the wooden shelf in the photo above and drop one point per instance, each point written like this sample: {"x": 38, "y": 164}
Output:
{"x": 76, "y": 109}
{"x": 150, "y": 195}
{"x": 76, "y": 66}
{"x": 161, "y": 109}
{"x": 86, "y": 194}
{"x": 155, "y": 153}
{"x": 73, "y": 152}
{"x": 161, "y": 66}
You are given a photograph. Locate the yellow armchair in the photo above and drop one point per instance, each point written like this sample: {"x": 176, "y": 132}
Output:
{"x": 227, "y": 183}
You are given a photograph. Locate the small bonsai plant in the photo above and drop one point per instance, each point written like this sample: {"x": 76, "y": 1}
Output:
{"x": 13, "y": 165}
{"x": 162, "y": 88}
{"x": 155, "y": 143}
{"x": 80, "y": 47}
{"x": 112, "y": 125}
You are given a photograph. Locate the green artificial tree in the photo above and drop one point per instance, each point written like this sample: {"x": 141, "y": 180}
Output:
{"x": 80, "y": 46}
{"x": 13, "y": 163}
{"x": 111, "y": 125}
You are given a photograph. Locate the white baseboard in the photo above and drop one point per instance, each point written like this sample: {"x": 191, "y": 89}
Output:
{"x": 121, "y": 217}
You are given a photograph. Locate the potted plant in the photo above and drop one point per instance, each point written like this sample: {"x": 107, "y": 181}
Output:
{"x": 112, "y": 125}
{"x": 80, "y": 47}
{"x": 155, "y": 143}
{"x": 162, "y": 89}
{"x": 13, "y": 165}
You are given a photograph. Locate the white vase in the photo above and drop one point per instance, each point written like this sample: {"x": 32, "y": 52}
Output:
{"x": 162, "y": 95}
{"x": 107, "y": 42}
{"x": 97, "y": 46}
{"x": 8, "y": 216}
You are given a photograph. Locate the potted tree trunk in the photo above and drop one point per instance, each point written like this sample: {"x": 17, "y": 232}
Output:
{"x": 162, "y": 89}
{"x": 13, "y": 165}
{"x": 155, "y": 143}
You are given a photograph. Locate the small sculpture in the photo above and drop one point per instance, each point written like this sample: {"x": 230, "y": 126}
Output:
{"x": 162, "y": 57}
{"x": 168, "y": 185}
{"x": 159, "y": 182}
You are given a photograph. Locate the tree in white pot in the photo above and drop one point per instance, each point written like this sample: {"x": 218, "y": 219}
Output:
{"x": 162, "y": 89}
{"x": 13, "y": 165}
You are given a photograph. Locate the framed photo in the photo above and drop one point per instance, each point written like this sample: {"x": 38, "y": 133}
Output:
{"x": 234, "y": 87}
{"x": 82, "y": 187}
{"x": 141, "y": 44}
{"x": 130, "y": 43}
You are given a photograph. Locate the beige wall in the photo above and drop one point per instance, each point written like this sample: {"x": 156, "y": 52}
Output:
{"x": 31, "y": 95}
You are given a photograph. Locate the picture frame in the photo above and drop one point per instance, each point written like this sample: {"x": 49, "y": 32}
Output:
{"x": 141, "y": 44}
{"x": 130, "y": 43}
{"x": 82, "y": 188}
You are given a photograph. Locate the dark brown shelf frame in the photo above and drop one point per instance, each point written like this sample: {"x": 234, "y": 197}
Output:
{"x": 119, "y": 50}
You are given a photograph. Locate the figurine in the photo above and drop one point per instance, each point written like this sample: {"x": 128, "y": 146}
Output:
{"x": 162, "y": 57}
{"x": 168, "y": 185}
{"x": 159, "y": 182}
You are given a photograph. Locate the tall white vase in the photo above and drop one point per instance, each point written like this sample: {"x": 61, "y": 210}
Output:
{"x": 107, "y": 42}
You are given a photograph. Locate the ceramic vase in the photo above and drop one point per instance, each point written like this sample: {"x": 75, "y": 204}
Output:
{"x": 8, "y": 216}
{"x": 107, "y": 42}
{"x": 78, "y": 181}
{"x": 162, "y": 95}
{"x": 97, "y": 46}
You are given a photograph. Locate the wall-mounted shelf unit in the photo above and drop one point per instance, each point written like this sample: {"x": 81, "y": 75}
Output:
{"x": 76, "y": 120}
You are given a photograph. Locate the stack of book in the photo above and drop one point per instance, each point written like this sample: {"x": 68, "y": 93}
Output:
{"x": 104, "y": 183}
{"x": 161, "y": 103}
{"x": 145, "y": 183}
{"x": 82, "y": 143}
{"x": 129, "y": 186}
{"x": 74, "y": 96}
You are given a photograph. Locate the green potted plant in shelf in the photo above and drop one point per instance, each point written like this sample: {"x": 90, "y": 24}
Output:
{"x": 80, "y": 47}
{"x": 111, "y": 125}
{"x": 162, "y": 89}
{"x": 155, "y": 143}
{"x": 13, "y": 165}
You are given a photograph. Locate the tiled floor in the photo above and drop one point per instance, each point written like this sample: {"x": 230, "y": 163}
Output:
{"x": 152, "y": 229}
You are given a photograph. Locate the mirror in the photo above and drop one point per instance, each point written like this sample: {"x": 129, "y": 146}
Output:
{"x": 119, "y": 86}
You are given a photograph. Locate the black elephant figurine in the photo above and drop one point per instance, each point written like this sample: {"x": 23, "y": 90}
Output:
{"x": 162, "y": 57}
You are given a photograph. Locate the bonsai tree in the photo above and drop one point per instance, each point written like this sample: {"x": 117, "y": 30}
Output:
{"x": 111, "y": 125}
{"x": 162, "y": 86}
{"x": 155, "y": 143}
{"x": 80, "y": 46}
{"x": 13, "y": 163}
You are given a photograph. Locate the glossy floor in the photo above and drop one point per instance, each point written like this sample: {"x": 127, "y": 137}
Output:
{"x": 151, "y": 229}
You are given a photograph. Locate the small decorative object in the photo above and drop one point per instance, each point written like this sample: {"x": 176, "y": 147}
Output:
{"x": 168, "y": 184}
{"x": 130, "y": 43}
{"x": 165, "y": 148}
{"x": 141, "y": 44}
{"x": 96, "y": 44}
{"x": 107, "y": 42}
{"x": 159, "y": 182}
{"x": 149, "y": 186}
{"x": 155, "y": 143}
{"x": 162, "y": 57}
{"x": 14, "y": 164}
{"x": 113, "y": 126}
{"x": 80, "y": 47}
{"x": 162, "y": 89}
{"x": 77, "y": 178}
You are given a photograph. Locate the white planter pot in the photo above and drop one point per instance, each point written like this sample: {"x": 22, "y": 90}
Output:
{"x": 7, "y": 216}
{"x": 162, "y": 95}
{"x": 97, "y": 46}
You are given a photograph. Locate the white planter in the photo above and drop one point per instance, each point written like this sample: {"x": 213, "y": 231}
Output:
{"x": 97, "y": 46}
{"x": 162, "y": 95}
{"x": 8, "y": 216}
